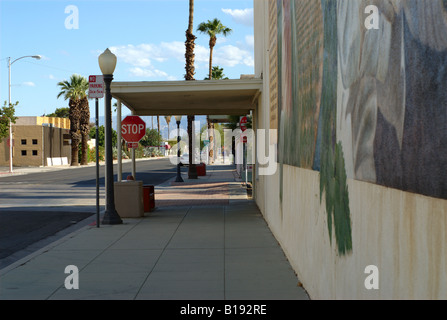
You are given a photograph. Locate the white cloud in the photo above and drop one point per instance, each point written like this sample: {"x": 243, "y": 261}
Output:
{"x": 150, "y": 60}
{"x": 242, "y": 16}
{"x": 134, "y": 55}
{"x": 142, "y": 55}
{"x": 230, "y": 56}
{"x": 148, "y": 73}
{"x": 29, "y": 84}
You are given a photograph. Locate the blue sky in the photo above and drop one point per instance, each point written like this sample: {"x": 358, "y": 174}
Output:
{"x": 146, "y": 35}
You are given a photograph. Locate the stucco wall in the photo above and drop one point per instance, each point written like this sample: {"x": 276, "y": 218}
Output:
{"x": 402, "y": 233}
{"x": 27, "y": 139}
{"x": 38, "y": 142}
{"x": 384, "y": 223}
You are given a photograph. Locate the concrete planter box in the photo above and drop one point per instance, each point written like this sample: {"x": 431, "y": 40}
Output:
{"x": 129, "y": 199}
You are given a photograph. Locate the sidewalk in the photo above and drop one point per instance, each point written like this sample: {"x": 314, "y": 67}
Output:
{"x": 205, "y": 241}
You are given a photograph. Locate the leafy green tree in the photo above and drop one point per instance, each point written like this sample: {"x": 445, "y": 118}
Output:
{"x": 84, "y": 127}
{"x": 60, "y": 113}
{"x": 217, "y": 74}
{"x": 152, "y": 138}
{"x": 7, "y": 116}
{"x": 101, "y": 134}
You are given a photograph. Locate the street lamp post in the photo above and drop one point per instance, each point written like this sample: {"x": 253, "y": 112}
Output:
{"x": 9, "y": 104}
{"x": 107, "y": 63}
{"x": 179, "y": 176}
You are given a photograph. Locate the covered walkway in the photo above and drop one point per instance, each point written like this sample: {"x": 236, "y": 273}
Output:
{"x": 199, "y": 97}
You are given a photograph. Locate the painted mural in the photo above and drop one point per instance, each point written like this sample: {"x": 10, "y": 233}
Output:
{"x": 359, "y": 103}
{"x": 392, "y": 111}
{"x": 307, "y": 69}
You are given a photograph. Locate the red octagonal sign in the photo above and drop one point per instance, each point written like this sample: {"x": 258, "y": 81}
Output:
{"x": 133, "y": 129}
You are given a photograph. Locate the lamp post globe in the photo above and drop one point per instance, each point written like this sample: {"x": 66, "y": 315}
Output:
{"x": 107, "y": 64}
{"x": 179, "y": 178}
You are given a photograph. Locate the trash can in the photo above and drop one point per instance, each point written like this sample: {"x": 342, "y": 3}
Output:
{"x": 148, "y": 197}
{"x": 129, "y": 199}
{"x": 201, "y": 169}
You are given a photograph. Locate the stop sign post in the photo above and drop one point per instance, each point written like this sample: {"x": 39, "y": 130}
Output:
{"x": 133, "y": 129}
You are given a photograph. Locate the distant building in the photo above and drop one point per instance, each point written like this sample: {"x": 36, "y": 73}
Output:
{"x": 38, "y": 141}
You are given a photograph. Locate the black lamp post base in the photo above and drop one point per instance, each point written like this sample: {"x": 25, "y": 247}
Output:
{"x": 111, "y": 217}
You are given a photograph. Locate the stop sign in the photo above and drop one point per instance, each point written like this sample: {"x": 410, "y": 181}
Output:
{"x": 133, "y": 128}
{"x": 243, "y": 123}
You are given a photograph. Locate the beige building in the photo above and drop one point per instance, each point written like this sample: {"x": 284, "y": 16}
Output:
{"x": 38, "y": 141}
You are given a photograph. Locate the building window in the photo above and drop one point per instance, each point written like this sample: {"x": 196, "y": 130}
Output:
{"x": 34, "y": 152}
{"x": 23, "y": 152}
{"x": 34, "y": 141}
{"x": 23, "y": 141}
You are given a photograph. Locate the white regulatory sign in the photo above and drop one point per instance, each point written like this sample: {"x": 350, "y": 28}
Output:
{"x": 95, "y": 87}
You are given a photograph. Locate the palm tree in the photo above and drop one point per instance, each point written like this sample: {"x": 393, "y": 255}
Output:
{"x": 189, "y": 76}
{"x": 190, "y": 45}
{"x": 168, "y": 120}
{"x": 212, "y": 28}
{"x": 74, "y": 91}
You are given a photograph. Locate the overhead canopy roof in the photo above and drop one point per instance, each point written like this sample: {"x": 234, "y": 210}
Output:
{"x": 199, "y": 97}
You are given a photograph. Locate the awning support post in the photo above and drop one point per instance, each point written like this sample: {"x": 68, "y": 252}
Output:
{"x": 119, "y": 142}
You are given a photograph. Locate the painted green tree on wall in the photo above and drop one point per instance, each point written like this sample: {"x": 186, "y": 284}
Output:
{"x": 333, "y": 181}
{"x": 303, "y": 142}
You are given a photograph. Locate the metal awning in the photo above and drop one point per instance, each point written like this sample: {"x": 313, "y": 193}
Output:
{"x": 199, "y": 97}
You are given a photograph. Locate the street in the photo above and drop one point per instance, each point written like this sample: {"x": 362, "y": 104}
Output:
{"x": 34, "y": 207}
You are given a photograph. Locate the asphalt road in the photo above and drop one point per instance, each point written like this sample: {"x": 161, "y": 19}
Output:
{"x": 149, "y": 171}
{"x": 25, "y": 227}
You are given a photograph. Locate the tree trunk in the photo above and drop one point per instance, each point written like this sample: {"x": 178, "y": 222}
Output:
{"x": 84, "y": 150}
{"x": 191, "y": 16}
{"x": 168, "y": 120}
{"x": 211, "y": 62}
{"x": 210, "y": 124}
{"x": 75, "y": 149}
{"x": 189, "y": 76}
{"x": 158, "y": 129}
